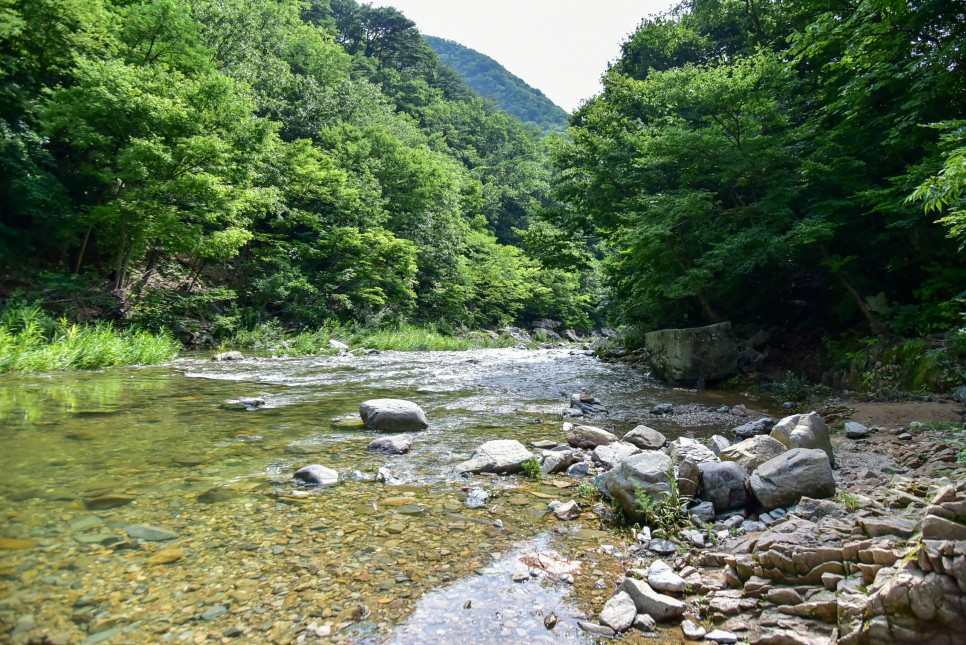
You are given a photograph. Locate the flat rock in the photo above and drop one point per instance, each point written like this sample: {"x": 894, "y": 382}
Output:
{"x": 393, "y": 445}
{"x": 499, "y": 456}
{"x": 646, "y": 438}
{"x": 150, "y": 533}
{"x": 693, "y": 632}
{"x": 393, "y": 415}
{"x": 612, "y": 454}
{"x": 754, "y": 428}
{"x": 720, "y": 636}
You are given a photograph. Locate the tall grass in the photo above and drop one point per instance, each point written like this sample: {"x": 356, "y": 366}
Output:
{"x": 271, "y": 337}
{"x": 30, "y": 341}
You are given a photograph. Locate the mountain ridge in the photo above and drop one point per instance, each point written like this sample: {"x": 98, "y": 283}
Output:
{"x": 493, "y": 81}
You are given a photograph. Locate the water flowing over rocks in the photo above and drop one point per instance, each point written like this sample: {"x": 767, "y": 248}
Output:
{"x": 393, "y": 415}
{"x": 393, "y": 445}
{"x": 317, "y": 475}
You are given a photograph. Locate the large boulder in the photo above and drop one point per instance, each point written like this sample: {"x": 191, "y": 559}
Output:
{"x": 589, "y": 437}
{"x": 785, "y": 479}
{"x": 393, "y": 415}
{"x": 500, "y": 456}
{"x": 684, "y": 448}
{"x": 646, "y": 438}
{"x": 692, "y": 355}
{"x": 753, "y": 452}
{"x": 649, "y": 472}
{"x": 804, "y": 431}
{"x": 317, "y": 475}
{"x": 723, "y": 484}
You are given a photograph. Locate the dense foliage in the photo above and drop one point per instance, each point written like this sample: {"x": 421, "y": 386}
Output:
{"x": 221, "y": 163}
{"x": 769, "y": 163}
{"x": 492, "y": 81}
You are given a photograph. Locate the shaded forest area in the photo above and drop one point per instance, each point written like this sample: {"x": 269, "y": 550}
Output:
{"x": 208, "y": 165}
{"x": 769, "y": 163}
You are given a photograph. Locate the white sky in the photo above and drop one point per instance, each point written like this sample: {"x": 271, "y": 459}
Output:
{"x": 561, "y": 47}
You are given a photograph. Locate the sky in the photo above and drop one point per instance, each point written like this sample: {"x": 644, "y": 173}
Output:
{"x": 561, "y": 47}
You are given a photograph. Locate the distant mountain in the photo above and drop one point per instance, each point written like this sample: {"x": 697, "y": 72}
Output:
{"x": 492, "y": 81}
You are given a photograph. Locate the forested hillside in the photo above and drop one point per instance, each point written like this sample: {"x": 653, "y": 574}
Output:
{"x": 209, "y": 164}
{"x": 493, "y": 81}
{"x": 755, "y": 162}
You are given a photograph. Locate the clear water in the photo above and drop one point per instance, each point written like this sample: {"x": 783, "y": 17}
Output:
{"x": 84, "y": 455}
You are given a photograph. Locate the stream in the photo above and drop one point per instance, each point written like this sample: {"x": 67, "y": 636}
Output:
{"x": 241, "y": 553}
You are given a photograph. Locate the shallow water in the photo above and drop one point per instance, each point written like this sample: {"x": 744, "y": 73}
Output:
{"x": 85, "y": 455}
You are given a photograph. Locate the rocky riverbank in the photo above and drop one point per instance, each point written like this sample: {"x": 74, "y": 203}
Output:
{"x": 774, "y": 549}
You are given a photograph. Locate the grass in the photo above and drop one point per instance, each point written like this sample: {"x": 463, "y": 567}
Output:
{"x": 32, "y": 342}
{"x": 667, "y": 511}
{"x": 849, "y": 501}
{"x": 531, "y": 468}
{"x": 271, "y": 337}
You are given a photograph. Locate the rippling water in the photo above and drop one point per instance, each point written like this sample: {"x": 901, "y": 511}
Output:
{"x": 86, "y": 455}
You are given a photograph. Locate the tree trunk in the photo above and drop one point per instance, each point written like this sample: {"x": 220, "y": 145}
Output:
{"x": 83, "y": 249}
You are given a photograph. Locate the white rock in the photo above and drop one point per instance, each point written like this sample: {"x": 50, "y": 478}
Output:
{"x": 619, "y": 612}
{"x": 662, "y": 577}
{"x": 693, "y": 632}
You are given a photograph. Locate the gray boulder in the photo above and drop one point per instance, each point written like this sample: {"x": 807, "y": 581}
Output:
{"x": 804, "y": 431}
{"x": 228, "y": 356}
{"x": 753, "y": 452}
{"x": 394, "y": 445}
{"x": 754, "y": 428}
{"x": 785, "y": 479}
{"x": 612, "y": 454}
{"x": 393, "y": 415}
{"x": 691, "y": 449}
{"x": 691, "y": 355}
{"x": 589, "y": 437}
{"x": 500, "y": 456}
{"x": 317, "y": 475}
{"x": 555, "y": 461}
{"x": 703, "y": 513}
{"x": 646, "y": 438}
{"x": 723, "y": 484}
{"x": 662, "y": 577}
{"x": 649, "y": 472}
